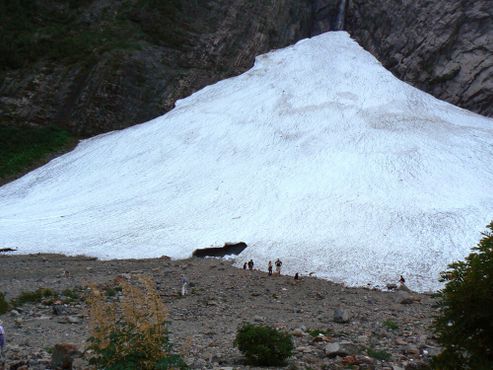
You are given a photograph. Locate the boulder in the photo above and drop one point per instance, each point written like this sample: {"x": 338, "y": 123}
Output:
{"x": 341, "y": 315}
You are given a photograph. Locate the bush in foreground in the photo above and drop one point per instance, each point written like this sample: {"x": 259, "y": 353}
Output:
{"x": 131, "y": 333}
{"x": 464, "y": 326}
{"x": 263, "y": 345}
{"x": 4, "y": 305}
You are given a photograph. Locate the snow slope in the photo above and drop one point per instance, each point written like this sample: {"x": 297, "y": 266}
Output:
{"x": 317, "y": 155}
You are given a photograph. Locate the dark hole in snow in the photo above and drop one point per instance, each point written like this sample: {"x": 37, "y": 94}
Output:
{"x": 228, "y": 249}
{"x": 7, "y": 250}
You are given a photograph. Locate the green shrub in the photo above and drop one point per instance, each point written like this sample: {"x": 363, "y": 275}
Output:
{"x": 22, "y": 147}
{"x": 70, "y": 295}
{"x": 378, "y": 355}
{"x": 263, "y": 345}
{"x": 4, "y": 305}
{"x": 111, "y": 292}
{"x": 33, "y": 297}
{"x": 464, "y": 325}
{"x": 390, "y": 324}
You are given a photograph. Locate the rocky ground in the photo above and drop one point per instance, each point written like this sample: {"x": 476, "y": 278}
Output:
{"x": 362, "y": 328}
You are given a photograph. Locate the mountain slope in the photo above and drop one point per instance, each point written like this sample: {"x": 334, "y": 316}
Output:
{"x": 317, "y": 155}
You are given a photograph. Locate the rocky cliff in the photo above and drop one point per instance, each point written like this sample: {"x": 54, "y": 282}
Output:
{"x": 444, "y": 47}
{"x": 97, "y": 65}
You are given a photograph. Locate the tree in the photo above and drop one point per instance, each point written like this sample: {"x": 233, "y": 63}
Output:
{"x": 464, "y": 326}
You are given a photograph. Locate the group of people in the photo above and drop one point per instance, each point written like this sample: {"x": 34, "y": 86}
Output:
{"x": 277, "y": 263}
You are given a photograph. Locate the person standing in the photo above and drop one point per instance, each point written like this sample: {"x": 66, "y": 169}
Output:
{"x": 250, "y": 265}
{"x": 270, "y": 268}
{"x": 184, "y": 285}
{"x": 2, "y": 341}
{"x": 278, "y": 266}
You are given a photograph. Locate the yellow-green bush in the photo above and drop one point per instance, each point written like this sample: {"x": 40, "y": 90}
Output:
{"x": 130, "y": 333}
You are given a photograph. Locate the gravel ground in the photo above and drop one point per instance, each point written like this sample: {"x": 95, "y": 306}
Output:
{"x": 203, "y": 324}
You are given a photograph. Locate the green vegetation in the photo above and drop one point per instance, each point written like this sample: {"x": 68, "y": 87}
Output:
{"x": 4, "y": 305}
{"x": 390, "y": 324}
{"x": 23, "y": 147}
{"x": 464, "y": 326}
{"x": 263, "y": 345}
{"x": 378, "y": 355}
{"x": 63, "y": 30}
{"x": 70, "y": 296}
{"x": 29, "y": 31}
{"x": 111, "y": 292}
{"x": 37, "y": 296}
{"x": 131, "y": 333}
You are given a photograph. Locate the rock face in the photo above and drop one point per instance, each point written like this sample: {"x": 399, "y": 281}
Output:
{"x": 442, "y": 47}
{"x": 95, "y": 66}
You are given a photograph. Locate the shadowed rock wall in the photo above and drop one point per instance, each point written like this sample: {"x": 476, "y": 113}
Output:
{"x": 444, "y": 47}
{"x": 99, "y": 65}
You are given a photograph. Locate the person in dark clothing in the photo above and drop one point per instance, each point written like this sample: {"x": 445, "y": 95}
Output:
{"x": 402, "y": 280}
{"x": 296, "y": 276}
{"x": 270, "y": 268}
{"x": 245, "y": 266}
{"x": 250, "y": 265}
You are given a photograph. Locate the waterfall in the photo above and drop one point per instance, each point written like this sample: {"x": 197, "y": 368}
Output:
{"x": 341, "y": 16}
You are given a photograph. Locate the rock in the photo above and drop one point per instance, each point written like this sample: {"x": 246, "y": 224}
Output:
{"x": 411, "y": 349}
{"x": 400, "y": 341}
{"x": 73, "y": 320}
{"x": 59, "y": 309}
{"x": 258, "y": 318}
{"x": 341, "y": 315}
{"x": 420, "y": 43}
{"x": 304, "y": 349}
{"x": 363, "y": 339}
{"x": 298, "y": 332}
{"x": 391, "y": 286}
{"x": 63, "y": 356}
{"x": 343, "y": 348}
{"x": 404, "y": 297}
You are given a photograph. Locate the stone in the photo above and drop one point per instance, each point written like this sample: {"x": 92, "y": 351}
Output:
{"x": 363, "y": 339}
{"x": 422, "y": 46}
{"x": 258, "y": 318}
{"x": 341, "y": 315}
{"x": 63, "y": 356}
{"x": 59, "y": 309}
{"x": 298, "y": 332}
{"x": 73, "y": 320}
{"x": 400, "y": 341}
{"x": 343, "y": 348}
{"x": 411, "y": 349}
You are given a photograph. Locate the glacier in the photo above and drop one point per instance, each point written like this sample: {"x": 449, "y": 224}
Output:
{"x": 317, "y": 155}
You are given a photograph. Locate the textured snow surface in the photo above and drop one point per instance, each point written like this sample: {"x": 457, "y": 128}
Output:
{"x": 317, "y": 155}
